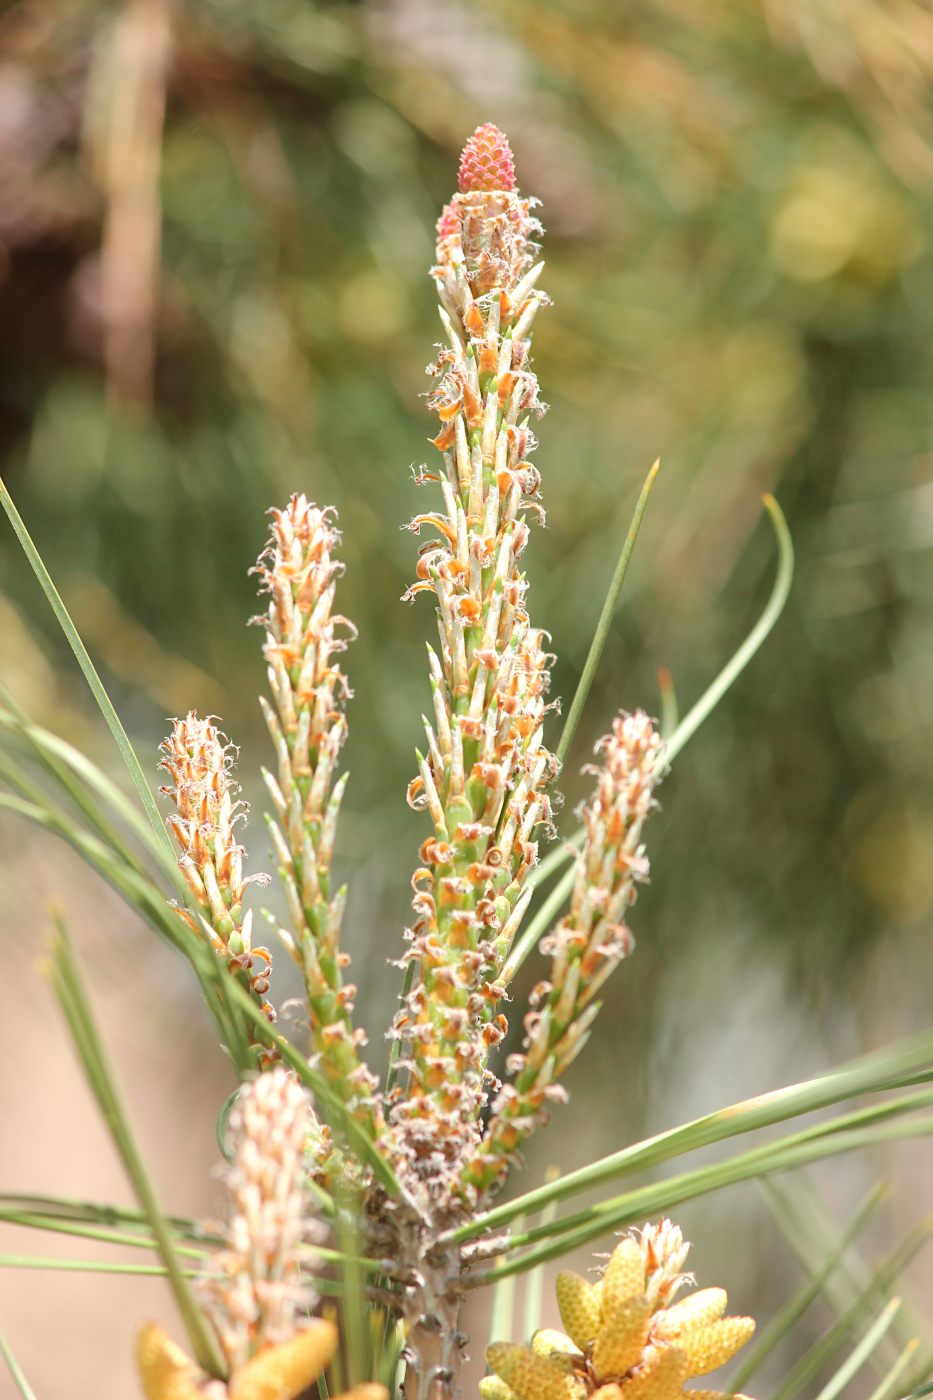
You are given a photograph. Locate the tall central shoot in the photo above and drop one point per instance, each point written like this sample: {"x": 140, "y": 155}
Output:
{"x": 484, "y": 775}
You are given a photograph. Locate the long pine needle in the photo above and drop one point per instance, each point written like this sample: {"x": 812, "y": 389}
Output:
{"x": 884, "y": 1390}
{"x": 64, "y": 976}
{"x": 684, "y": 731}
{"x": 605, "y": 621}
{"x": 19, "y": 1380}
{"x": 87, "y": 666}
{"x": 907, "y": 1059}
{"x": 796, "y": 1306}
{"x": 861, "y": 1353}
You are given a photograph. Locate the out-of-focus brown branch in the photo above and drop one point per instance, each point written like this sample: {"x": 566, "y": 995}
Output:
{"x": 129, "y": 174}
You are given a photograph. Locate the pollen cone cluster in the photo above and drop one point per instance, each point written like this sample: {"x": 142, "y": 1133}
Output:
{"x": 482, "y": 779}
{"x": 589, "y": 941}
{"x": 280, "y": 1372}
{"x": 198, "y": 762}
{"x": 625, "y": 1339}
{"x": 308, "y": 728}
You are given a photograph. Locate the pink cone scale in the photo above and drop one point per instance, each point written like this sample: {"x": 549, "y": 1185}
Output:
{"x": 486, "y": 163}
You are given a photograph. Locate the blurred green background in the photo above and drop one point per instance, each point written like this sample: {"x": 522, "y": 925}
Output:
{"x": 216, "y": 222}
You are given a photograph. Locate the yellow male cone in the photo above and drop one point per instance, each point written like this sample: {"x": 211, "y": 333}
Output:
{"x": 713, "y": 1345}
{"x": 495, "y": 1388}
{"x": 164, "y": 1369}
{"x": 276, "y": 1373}
{"x": 624, "y": 1276}
{"x": 531, "y": 1376}
{"x": 696, "y": 1311}
{"x": 579, "y": 1308}
{"x": 660, "y": 1378}
{"x": 555, "y": 1347}
{"x": 283, "y": 1372}
{"x": 621, "y": 1339}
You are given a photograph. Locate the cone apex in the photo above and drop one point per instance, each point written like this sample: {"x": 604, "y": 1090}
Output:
{"x": 486, "y": 163}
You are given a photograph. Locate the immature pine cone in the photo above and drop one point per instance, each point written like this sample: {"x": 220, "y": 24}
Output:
{"x": 486, "y": 163}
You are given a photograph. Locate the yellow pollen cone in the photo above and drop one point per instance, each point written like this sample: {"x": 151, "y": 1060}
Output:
{"x": 624, "y": 1276}
{"x": 660, "y": 1378}
{"x": 284, "y": 1371}
{"x": 495, "y": 1388}
{"x": 713, "y": 1395}
{"x": 711, "y": 1346}
{"x": 621, "y": 1339}
{"x": 554, "y": 1346}
{"x": 695, "y": 1311}
{"x": 532, "y": 1377}
{"x": 579, "y": 1308}
{"x": 164, "y": 1369}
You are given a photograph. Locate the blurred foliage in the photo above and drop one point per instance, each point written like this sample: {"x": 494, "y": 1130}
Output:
{"x": 206, "y": 307}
